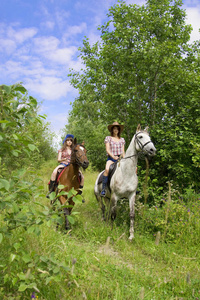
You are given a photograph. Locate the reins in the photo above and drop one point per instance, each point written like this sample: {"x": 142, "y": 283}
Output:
{"x": 141, "y": 146}
{"x": 127, "y": 157}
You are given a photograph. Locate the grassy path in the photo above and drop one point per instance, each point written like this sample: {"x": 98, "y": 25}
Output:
{"x": 105, "y": 265}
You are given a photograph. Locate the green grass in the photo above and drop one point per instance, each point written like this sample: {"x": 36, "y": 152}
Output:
{"x": 104, "y": 264}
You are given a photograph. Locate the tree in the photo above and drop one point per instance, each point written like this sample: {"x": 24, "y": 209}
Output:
{"x": 22, "y": 129}
{"x": 145, "y": 71}
{"x": 24, "y": 145}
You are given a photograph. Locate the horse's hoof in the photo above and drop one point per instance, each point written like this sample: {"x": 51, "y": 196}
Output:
{"x": 83, "y": 200}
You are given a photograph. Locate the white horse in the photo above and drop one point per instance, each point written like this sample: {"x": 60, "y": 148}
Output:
{"x": 124, "y": 181}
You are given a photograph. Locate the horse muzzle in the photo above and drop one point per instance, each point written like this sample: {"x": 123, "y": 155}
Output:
{"x": 85, "y": 164}
{"x": 151, "y": 151}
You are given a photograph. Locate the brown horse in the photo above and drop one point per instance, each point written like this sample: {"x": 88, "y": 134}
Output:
{"x": 70, "y": 177}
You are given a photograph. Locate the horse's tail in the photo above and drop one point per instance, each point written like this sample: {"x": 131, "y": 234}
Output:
{"x": 98, "y": 186}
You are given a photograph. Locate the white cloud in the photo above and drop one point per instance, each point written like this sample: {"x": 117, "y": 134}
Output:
{"x": 193, "y": 17}
{"x": 62, "y": 56}
{"x": 49, "y": 48}
{"x": 38, "y": 64}
{"x": 74, "y": 30}
{"x": 45, "y": 44}
{"x": 48, "y": 25}
{"x": 49, "y": 88}
{"x": 21, "y": 35}
{"x": 7, "y": 46}
{"x": 12, "y": 36}
{"x": 26, "y": 67}
{"x": 61, "y": 17}
{"x": 58, "y": 122}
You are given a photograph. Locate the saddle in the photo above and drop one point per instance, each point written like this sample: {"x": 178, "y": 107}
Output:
{"x": 110, "y": 174}
{"x": 59, "y": 173}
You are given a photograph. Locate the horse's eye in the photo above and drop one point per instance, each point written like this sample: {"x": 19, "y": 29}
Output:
{"x": 140, "y": 137}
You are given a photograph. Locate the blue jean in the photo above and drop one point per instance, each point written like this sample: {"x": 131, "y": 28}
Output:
{"x": 110, "y": 158}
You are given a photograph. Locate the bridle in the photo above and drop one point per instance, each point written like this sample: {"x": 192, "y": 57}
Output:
{"x": 78, "y": 158}
{"x": 141, "y": 146}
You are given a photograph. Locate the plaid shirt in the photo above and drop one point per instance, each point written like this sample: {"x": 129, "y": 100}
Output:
{"x": 115, "y": 147}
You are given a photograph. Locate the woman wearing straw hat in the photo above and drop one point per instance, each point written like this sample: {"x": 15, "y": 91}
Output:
{"x": 114, "y": 148}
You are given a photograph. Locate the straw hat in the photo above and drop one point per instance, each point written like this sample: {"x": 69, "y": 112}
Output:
{"x": 116, "y": 124}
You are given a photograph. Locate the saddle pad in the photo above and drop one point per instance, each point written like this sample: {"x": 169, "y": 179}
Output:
{"x": 59, "y": 173}
{"x": 61, "y": 170}
{"x": 110, "y": 174}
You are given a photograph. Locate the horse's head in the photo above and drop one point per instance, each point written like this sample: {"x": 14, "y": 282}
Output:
{"x": 78, "y": 156}
{"x": 143, "y": 141}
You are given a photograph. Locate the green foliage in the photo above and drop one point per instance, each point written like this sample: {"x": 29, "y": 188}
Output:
{"x": 143, "y": 71}
{"x": 54, "y": 265}
{"x": 22, "y": 130}
{"x": 177, "y": 222}
{"x": 23, "y": 270}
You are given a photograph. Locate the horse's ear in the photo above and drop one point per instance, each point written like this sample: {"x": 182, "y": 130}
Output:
{"x": 75, "y": 141}
{"x": 83, "y": 143}
{"x": 138, "y": 128}
{"x": 146, "y": 129}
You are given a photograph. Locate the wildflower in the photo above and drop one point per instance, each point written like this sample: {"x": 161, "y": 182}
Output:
{"x": 188, "y": 211}
{"x": 33, "y": 295}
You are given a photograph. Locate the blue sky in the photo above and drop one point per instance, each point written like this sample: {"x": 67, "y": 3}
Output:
{"x": 39, "y": 41}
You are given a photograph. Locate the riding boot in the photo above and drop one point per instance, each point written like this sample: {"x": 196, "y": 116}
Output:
{"x": 51, "y": 187}
{"x": 104, "y": 184}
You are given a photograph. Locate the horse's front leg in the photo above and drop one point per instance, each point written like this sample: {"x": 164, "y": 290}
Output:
{"x": 102, "y": 205}
{"x": 113, "y": 208}
{"x": 103, "y": 209}
{"x": 132, "y": 215}
{"x": 63, "y": 200}
{"x": 66, "y": 213}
